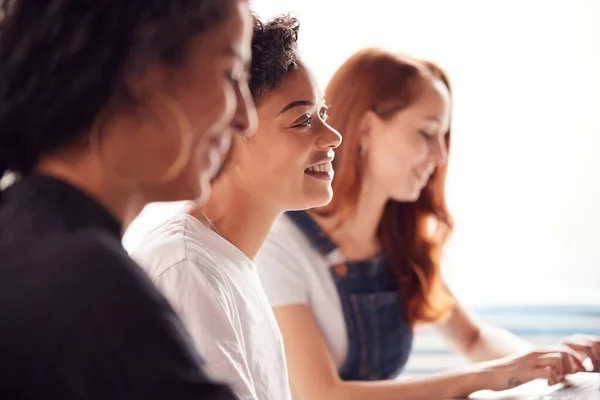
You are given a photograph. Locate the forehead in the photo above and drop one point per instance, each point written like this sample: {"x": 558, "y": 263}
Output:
{"x": 433, "y": 100}
{"x": 296, "y": 85}
{"x": 433, "y": 97}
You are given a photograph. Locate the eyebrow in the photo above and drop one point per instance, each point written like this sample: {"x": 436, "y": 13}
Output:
{"x": 299, "y": 103}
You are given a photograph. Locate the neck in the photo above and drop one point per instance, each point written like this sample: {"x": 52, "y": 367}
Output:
{"x": 356, "y": 234}
{"x": 242, "y": 218}
{"x": 123, "y": 203}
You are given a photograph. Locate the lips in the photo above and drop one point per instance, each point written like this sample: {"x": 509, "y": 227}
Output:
{"x": 216, "y": 149}
{"x": 221, "y": 142}
{"x": 326, "y": 176}
{"x": 325, "y": 160}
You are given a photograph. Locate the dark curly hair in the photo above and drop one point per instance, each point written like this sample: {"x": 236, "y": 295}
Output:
{"x": 62, "y": 61}
{"x": 274, "y": 53}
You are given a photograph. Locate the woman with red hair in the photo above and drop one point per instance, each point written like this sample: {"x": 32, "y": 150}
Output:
{"x": 350, "y": 280}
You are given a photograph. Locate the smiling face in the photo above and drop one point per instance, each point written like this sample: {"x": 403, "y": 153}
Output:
{"x": 217, "y": 98}
{"x": 287, "y": 164}
{"x": 403, "y": 151}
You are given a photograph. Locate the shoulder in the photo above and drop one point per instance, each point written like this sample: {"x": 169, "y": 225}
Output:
{"x": 88, "y": 253}
{"x": 75, "y": 273}
{"x": 284, "y": 240}
{"x": 286, "y": 264}
{"x": 285, "y": 229}
{"x": 85, "y": 290}
{"x": 188, "y": 263}
{"x": 288, "y": 248}
{"x": 172, "y": 245}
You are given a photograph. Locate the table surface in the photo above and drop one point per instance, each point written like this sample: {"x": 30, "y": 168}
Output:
{"x": 534, "y": 389}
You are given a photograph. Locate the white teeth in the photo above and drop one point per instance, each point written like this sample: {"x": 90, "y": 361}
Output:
{"x": 325, "y": 167}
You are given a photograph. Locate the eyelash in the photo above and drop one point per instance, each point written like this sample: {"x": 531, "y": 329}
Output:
{"x": 323, "y": 113}
{"x": 426, "y": 136}
{"x": 307, "y": 122}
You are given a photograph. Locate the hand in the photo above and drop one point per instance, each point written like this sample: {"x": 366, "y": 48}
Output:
{"x": 587, "y": 346}
{"x": 552, "y": 364}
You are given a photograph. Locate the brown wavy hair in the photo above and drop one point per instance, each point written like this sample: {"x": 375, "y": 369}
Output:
{"x": 411, "y": 234}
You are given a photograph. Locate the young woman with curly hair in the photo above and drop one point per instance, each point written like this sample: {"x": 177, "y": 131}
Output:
{"x": 202, "y": 259}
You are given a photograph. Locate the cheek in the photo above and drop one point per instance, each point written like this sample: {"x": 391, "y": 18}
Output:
{"x": 391, "y": 160}
{"x": 390, "y": 156}
{"x": 279, "y": 160}
{"x": 211, "y": 106}
{"x": 404, "y": 151}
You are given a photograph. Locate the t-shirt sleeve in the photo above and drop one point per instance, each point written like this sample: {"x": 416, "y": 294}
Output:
{"x": 198, "y": 292}
{"x": 281, "y": 272}
{"x": 93, "y": 326}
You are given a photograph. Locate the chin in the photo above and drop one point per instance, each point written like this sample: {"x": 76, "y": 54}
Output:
{"x": 407, "y": 196}
{"x": 187, "y": 186}
{"x": 313, "y": 200}
{"x": 191, "y": 192}
{"x": 202, "y": 193}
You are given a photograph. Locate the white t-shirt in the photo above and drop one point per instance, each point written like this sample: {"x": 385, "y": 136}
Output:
{"x": 215, "y": 290}
{"x": 293, "y": 272}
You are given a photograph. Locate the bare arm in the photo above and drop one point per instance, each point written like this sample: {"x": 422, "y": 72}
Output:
{"x": 314, "y": 376}
{"x": 477, "y": 340}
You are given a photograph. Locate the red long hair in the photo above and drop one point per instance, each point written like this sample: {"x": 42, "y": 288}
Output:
{"x": 411, "y": 234}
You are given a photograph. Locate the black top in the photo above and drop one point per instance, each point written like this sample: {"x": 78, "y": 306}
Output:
{"x": 78, "y": 318}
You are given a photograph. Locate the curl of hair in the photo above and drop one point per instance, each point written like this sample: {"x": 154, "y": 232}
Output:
{"x": 412, "y": 234}
{"x": 274, "y": 54}
{"x": 62, "y": 61}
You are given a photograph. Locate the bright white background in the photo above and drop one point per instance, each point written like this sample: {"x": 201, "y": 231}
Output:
{"x": 524, "y": 180}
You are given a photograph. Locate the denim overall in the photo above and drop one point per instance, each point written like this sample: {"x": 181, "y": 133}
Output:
{"x": 379, "y": 337}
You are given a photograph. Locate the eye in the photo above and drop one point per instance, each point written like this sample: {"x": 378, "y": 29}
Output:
{"x": 303, "y": 122}
{"x": 426, "y": 135}
{"x": 323, "y": 113}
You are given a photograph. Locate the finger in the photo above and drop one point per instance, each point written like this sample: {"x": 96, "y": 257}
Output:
{"x": 552, "y": 361}
{"x": 566, "y": 365}
{"x": 549, "y": 374}
{"x": 596, "y": 355}
{"x": 574, "y": 361}
{"x": 571, "y": 364}
{"x": 585, "y": 349}
{"x": 588, "y": 348}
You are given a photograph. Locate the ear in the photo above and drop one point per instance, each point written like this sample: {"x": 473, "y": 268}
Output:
{"x": 369, "y": 123}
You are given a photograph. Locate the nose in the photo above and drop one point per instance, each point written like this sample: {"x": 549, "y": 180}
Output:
{"x": 328, "y": 138}
{"x": 245, "y": 120}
